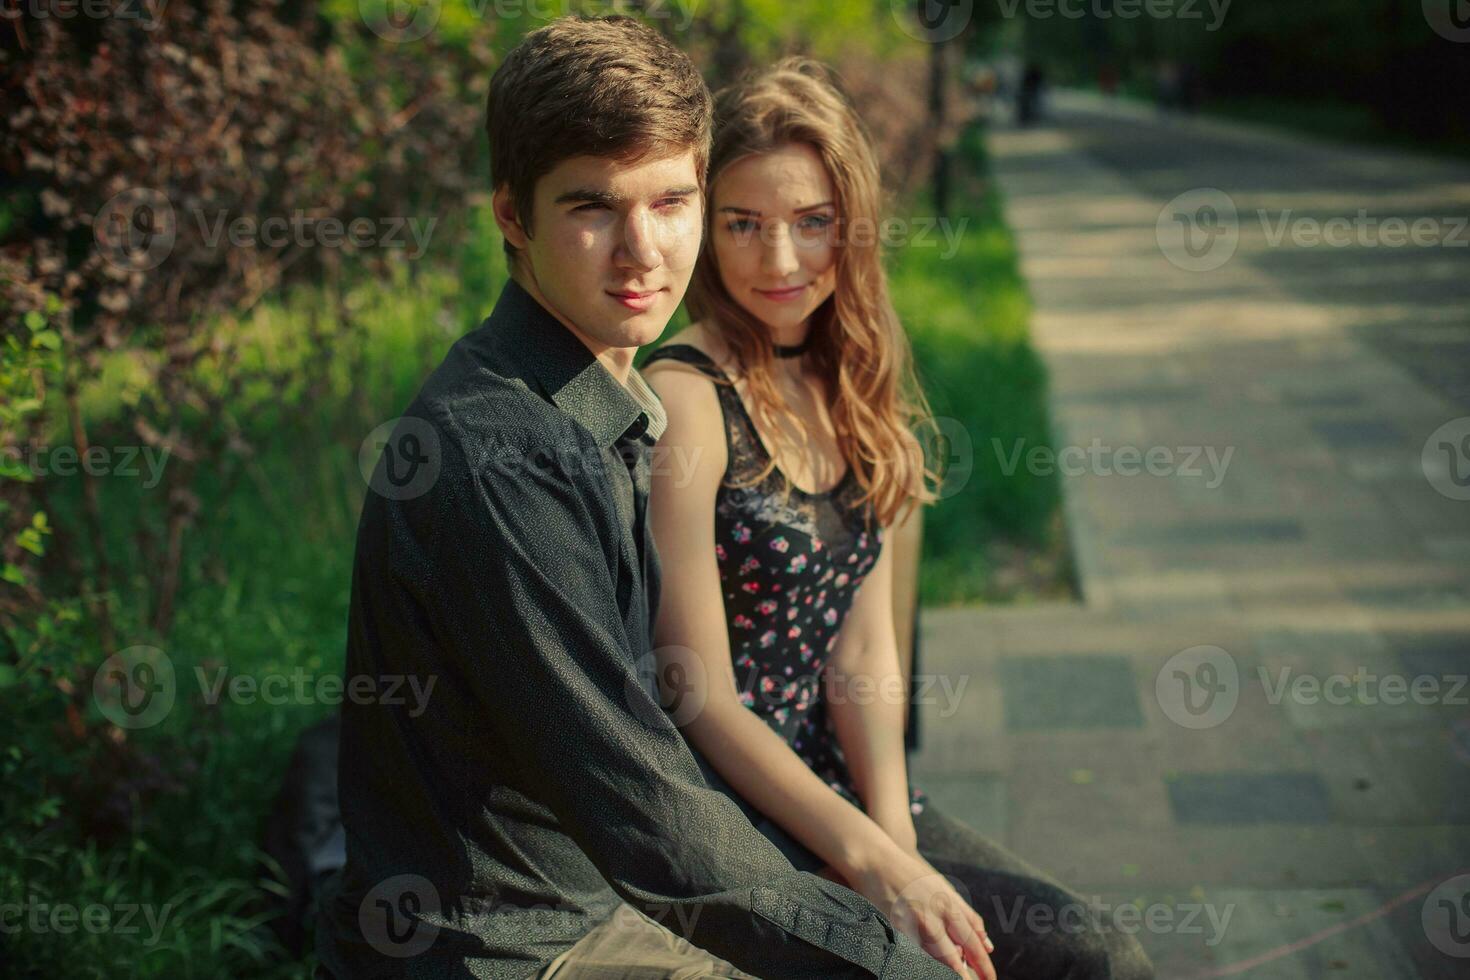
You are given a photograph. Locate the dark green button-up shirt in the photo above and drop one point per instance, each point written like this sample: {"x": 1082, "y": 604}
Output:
{"x": 504, "y": 556}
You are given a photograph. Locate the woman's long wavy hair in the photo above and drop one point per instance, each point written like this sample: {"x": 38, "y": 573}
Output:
{"x": 859, "y": 348}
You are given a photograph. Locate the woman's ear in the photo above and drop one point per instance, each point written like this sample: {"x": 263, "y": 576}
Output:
{"x": 503, "y": 206}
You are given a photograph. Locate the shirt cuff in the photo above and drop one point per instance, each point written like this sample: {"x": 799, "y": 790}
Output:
{"x": 908, "y": 961}
{"x": 888, "y": 955}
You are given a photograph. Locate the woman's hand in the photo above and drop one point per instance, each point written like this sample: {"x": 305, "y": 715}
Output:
{"x": 923, "y": 903}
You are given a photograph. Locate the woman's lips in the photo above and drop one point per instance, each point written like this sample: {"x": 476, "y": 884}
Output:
{"x": 635, "y": 300}
{"x": 782, "y": 295}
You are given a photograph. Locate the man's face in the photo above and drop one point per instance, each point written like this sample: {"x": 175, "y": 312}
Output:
{"x": 612, "y": 245}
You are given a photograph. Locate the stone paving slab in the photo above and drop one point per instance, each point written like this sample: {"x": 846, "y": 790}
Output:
{"x": 1281, "y": 934}
{"x": 1249, "y": 798}
{"x": 1140, "y": 742}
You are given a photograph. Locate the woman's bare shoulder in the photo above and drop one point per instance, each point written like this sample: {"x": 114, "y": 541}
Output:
{"x": 694, "y": 335}
{"x": 680, "y": 381}
{"x": 701, "y": 338}
{"x": 689, "y": 396}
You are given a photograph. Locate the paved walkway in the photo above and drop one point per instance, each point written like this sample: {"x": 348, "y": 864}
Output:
{"x": 1260, "y": 708}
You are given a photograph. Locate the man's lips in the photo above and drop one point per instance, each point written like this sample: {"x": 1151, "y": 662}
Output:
{"x": 635, "y": 299}
{"x": 783, "y": 294}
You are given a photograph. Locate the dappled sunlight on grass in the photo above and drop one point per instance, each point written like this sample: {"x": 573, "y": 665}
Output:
{"x": 968, "y": 318}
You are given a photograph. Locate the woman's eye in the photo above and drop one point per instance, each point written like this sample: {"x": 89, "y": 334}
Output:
{"x": 816, "y": 221}
{"x": 741, "y": 224}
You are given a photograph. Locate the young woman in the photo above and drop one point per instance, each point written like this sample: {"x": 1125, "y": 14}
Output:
{"x": 788, "y": 455}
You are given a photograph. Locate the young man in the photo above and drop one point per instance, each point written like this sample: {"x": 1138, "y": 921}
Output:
{"x": 506, "y": 559}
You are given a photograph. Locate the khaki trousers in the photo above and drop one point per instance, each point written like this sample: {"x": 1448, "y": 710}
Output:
{"x": 628, "y": 945}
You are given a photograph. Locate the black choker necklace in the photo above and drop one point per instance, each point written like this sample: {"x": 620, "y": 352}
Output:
{"x": 796, "y": 350}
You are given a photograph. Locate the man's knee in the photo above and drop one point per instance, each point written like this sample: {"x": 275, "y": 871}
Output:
{"x": 1097, "y": 954}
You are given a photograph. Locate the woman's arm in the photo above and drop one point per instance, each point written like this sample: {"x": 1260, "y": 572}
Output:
{"x": 756, "y": 761}
{"x": 866, "y": 694}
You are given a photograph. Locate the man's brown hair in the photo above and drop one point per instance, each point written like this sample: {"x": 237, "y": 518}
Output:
{"x": 604, "y": 86}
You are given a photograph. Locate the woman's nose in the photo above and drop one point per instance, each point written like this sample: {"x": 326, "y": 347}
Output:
{"x": 780, "y": 255}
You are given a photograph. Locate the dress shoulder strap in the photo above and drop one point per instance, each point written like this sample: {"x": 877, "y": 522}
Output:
{"x": 688, "y": 354}
{"x": 746, "y": 448}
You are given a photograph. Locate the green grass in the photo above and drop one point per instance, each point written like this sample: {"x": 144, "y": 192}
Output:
{"x": 968, "y": 317}
{"x": 268, "y": 571}
{"x": 265, "y": 591}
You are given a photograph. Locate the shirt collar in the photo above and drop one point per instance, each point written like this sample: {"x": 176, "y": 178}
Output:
{"x": 571, "y": 376}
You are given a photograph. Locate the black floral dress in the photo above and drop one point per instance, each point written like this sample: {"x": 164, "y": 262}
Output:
{"x": 790, "y": 569}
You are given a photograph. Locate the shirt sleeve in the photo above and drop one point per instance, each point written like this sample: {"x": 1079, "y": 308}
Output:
{"x": 542, "y": 642}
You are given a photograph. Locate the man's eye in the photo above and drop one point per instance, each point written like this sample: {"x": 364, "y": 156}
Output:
{"x": 590, "y": 206}
{"x": 672, "y": 203}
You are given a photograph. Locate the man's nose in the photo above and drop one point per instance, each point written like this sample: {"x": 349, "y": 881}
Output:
{"x": 640, "y": 247}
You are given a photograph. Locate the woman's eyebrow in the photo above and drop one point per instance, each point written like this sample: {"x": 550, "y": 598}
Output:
{"x": 751, "y": 212}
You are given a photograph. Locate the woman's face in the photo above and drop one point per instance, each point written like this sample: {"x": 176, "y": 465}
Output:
{"x": 774, "y": 235}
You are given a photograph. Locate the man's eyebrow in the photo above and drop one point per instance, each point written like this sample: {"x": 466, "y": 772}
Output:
{"x": 587, "y": 195}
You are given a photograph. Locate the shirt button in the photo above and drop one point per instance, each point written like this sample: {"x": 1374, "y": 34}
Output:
{"x": 639, "y": 426}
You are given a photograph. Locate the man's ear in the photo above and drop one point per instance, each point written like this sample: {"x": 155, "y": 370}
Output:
{"x": 503, "y": 206}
